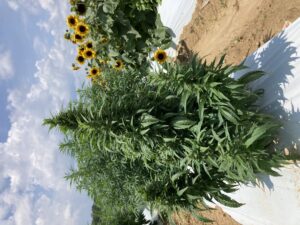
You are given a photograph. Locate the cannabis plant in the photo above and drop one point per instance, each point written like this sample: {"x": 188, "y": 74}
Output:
{"x": 168, "y": 140}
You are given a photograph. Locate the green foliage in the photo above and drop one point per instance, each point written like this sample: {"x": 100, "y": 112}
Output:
{"x": 167, "y": 140}
{"x": 130, "y": 28}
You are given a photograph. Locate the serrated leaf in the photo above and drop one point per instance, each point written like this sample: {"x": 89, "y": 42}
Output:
{"x": 181, "y": 192}
{"x": 176, "y": 176}
{"x": 182, "y": 123}
{"x": 229, "y": 116}
{"x": 201, "y": 218}
{"x": 251, "y": 76}
{"x": 148, "y": 120}
{"x": 227, "y": 201}
{"x": 258, "y": 133}
{"x": 184, "y": 98}
{"x": 193, "y": 197}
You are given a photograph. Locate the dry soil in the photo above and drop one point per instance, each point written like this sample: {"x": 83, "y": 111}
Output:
{"x": 236, "y": 27}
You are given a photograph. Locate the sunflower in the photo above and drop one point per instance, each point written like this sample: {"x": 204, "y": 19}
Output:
{"x": 103, "y": 40}
{"x": 74, "y": 67}
{"x": 118, "y": 65}
{"x": 80, "y": 49}
{"x": 77, "y": 38}
{"x": 94, "y": 72}
{"x": 102, "y": 61}
{"x": 160, "y": 56}
{"x": 72, "y": 21}
{"x": 89, "y": 54}
{"x": 80, "y": 8}
{"x": 82, "y": 28}
{"x": 80, "y": 59}
{"x": 89, "y": 45}
{"x": 67, "y": 36}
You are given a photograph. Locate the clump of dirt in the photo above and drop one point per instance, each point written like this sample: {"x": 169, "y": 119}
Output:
{"x": 236, "y": 27}
{"x": 217, "y": 215}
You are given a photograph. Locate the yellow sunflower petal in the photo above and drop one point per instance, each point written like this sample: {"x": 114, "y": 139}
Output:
{"x": 72, "y": 21}
{"x": 160, "y": 56}
{"x": 118, "y": 65}
{"x": 82, "y": 29}
{"x": 89, "y": 54}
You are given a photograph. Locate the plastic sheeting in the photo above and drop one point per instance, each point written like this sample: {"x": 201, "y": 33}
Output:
{"x": 175, "y": 14}
{"x": 277, "y": 200}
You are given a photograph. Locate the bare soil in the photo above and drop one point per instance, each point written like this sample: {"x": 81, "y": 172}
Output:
{"x": 217, "y": 215}
{"x": 235, "y": 28}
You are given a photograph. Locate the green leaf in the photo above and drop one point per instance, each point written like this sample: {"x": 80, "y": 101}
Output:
{"x": 181, "y": 192}
{"x": 201, "y": 218}
{"x": 227, "y": 201}
{"x": 258, "y": 134}
{"x": 229, "y": 116}
{"x": 251, "y": 76}
{"x": 143, "y": 132}
{"x": 176, "y": 176}
{"x": 148, "y": 120}
{"x": 182, "y": 123}
{"x": 184, "y": 98}
{"x": 193, "y": 197}
{"x": 206, "y": 170}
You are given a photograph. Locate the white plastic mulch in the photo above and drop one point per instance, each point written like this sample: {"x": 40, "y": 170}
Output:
{"x": 278, "y": 202}
{"x": 175, "y": 14}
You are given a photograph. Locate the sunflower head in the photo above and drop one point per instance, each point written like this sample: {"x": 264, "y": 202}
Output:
{"x": 67, "y": 36}
{"x": 81, "y": 8}
{"x": 80, "y": 49}
{"x": 89, "y": 45}
{"x": 74, "y": 67}
{"x": 89, "y": 54}
{"x": 77, "y": 38}
{"x": 80, "y": 59}
{"x": 103, "y": 40}
{"x": 82, "y": 28}
{"x": 102, "y": 61}
{"x": 118, "y": 65}
{"x": 72, "y": 21}
{"x": 160, "y": 56}
{"x": 94, "y": 72}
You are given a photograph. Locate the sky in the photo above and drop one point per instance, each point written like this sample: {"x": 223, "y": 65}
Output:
{"x": 36, "y": 80}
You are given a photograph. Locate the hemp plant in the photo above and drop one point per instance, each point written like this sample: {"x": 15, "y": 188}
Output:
{"x": 168, "y": 140}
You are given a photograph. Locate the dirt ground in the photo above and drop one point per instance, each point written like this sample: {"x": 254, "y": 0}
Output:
{"x": 235, "y": 28}
{"x": 217, "y": 215}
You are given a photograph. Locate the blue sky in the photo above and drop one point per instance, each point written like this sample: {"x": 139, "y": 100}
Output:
{"x": 35, "y": 80}
{"x": 17, "y": 50}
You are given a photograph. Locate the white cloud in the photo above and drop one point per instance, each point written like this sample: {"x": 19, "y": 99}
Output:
{"x": 35, "y": 191}
{"x": 13, "y": 5}
{"x": 32, "y": 6}
{"x": 6, "y": 65}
